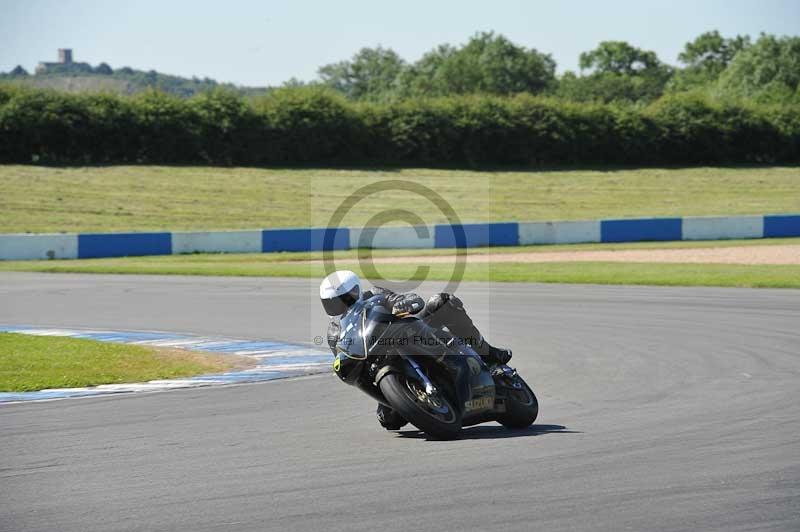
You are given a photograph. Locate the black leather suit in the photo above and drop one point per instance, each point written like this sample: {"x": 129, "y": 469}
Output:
{"x": 441, "y": 311}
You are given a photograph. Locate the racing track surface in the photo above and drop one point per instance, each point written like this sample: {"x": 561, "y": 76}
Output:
{"x": 681, "y": 409}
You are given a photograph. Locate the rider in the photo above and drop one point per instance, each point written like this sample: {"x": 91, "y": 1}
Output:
{"x": 339, "y": 290}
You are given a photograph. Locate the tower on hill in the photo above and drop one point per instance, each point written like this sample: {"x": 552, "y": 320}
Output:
{"x": 64, "y": 64}
{"x": 65, "y": 56}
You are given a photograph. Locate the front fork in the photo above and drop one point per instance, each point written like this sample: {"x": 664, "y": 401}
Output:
{"x": 430, "y": 389}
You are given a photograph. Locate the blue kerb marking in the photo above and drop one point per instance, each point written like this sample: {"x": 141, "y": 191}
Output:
{"x": 122, "y": 337}
{"x": 476, "y": 235}
{"x": 320, "y": 239}
{"x": 252, "y": 346}
{"x": 779, "y": 225}
{"x": 141, "y": 336}
{"x": 641, "y": 230}
{"x": 275, "y": 360}
{"x": 123, "y": 244}
{"x": 9, "y": 397}
{"x": 9, "y": 328}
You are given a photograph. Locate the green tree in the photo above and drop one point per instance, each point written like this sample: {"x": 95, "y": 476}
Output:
{"x": 487, "y": 63}
{"x": 705, "y": 58}
{"x": 425, "y": 77}
{"x": 618, "y": 71}
{"x": 619, "y": 57}
{"x": 293, "y": 83}
{"x": 103, "y": 69}
{"x": 767, "y": 71}
{"x": 370, "y": 74}
{"x": 711, "y": 52}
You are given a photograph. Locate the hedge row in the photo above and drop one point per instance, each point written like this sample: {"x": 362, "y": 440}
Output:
{"x": 301, "y": 126}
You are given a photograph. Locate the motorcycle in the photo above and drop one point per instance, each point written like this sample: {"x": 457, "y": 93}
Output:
{"x": 433, "y": 379}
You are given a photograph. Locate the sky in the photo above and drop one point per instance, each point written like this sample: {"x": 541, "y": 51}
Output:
{"x": 257, "y": 43}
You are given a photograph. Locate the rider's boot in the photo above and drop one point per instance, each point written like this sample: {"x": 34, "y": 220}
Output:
{"x": 493, "y": 355}
{"x": 389, "y": 419}
{"x": 501, "y": 354}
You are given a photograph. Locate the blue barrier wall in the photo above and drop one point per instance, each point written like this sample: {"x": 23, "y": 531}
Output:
{"x": 41, "y": 246}
{"x": 476, "y": 235}
{"x": 640, "y": 230}
{"x": 123, "y": 244}
{"x": 780, "y": 226}
{"x": 318, "y": 239}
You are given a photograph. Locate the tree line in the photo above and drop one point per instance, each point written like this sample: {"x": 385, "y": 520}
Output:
{"x": 767, "y": 70}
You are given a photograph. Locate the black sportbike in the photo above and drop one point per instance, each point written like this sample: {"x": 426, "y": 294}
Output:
{"x": 431, "y": 378}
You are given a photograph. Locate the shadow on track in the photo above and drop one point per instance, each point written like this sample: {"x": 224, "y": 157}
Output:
{"x": 482, "y": 432}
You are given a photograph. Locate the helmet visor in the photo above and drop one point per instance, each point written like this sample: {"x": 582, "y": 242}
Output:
{"x": 336, "y": 306}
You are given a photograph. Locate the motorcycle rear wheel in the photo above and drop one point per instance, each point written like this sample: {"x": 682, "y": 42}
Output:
{"x": 435, "y": 416}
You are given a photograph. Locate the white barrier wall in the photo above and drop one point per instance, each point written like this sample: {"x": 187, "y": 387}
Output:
{"x": 217, "y": 242}
{"x": 27, "y": 247}
{"x": 723, "y": 227}
{"x": 93, "y": 245}
{"x": 400, "y": 237}
{"x": 558, "y": 232}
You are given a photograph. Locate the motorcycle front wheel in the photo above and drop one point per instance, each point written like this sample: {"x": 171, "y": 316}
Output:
{"x": 522, "y": 407}
{"x": 432, "y": 414}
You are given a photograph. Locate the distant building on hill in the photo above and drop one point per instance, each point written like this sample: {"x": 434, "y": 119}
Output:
{"x": 64, "y": 64}
{"x": 65, "y": 56}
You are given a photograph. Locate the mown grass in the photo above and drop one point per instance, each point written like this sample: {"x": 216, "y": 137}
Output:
{"x": 131, "y": 198}
{"x": 304, "y": 265}
{"x": 29, "y": 363}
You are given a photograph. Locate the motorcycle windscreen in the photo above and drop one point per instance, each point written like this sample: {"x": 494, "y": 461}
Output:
{"x": 351, "y": 339}
{"x": 363, "y": 329}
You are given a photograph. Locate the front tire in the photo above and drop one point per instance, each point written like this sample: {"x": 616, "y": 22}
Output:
{"x": 435, "y": 416}
{"x": 522, "y": 407}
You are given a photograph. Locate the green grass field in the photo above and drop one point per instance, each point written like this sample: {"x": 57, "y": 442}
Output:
{"x": 124, "y": 198}
{"x": 29, "y": 363}
{"x": 131, "y": 198}
{"x": 302, "y": 265}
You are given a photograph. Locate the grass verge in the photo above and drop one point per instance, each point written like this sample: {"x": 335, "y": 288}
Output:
{"x": 138, "y": 198}
{"x": 300, "y": 265}
{"x": 29, "y": 363}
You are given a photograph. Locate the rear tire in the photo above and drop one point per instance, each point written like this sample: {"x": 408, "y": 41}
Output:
{"x": 440, "y": 421}
{"x": 522, "y": 407}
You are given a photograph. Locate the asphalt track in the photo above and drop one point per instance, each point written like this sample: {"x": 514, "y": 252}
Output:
{"x": 680, "y": 408}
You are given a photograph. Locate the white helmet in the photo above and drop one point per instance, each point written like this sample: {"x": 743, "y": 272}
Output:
{"x": 339, "y": 291}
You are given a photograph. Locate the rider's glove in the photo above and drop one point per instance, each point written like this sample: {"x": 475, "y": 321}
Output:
{"x": 407, "y": 304}
{"x": 333, "y": 334}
